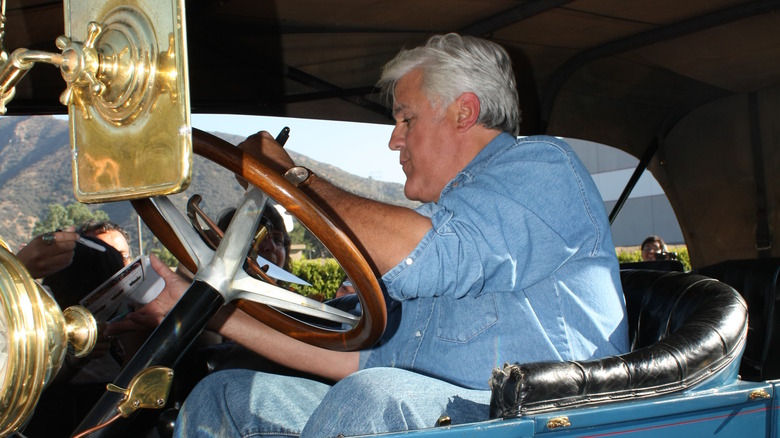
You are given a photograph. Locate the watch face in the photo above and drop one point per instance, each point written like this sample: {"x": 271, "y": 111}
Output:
{"x": 296, "y": 175}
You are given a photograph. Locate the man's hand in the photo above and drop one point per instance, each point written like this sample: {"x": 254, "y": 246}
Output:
{"x": 43, "y": 258}
{"x": 150, "y": 315}
{"x": 263, "y": 147}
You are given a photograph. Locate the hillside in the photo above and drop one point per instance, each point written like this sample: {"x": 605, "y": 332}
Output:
{"x": 35, "y": 171}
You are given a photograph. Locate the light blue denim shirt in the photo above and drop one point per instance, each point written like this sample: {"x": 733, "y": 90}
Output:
{"x": 518, "y": 267}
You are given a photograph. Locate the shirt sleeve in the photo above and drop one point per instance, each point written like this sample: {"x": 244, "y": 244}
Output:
{"x": 495, "y": 230}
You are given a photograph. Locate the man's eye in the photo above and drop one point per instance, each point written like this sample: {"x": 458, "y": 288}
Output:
{"x": 408, "y": 121}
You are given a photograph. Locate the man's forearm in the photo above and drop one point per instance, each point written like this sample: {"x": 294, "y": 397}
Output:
{"x": 282, "y": 349}
{"x": 387, "y": 233}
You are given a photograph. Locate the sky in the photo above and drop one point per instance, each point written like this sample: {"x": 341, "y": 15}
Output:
{"x": 361, "y": 148}
{"x": 358, "y": 148}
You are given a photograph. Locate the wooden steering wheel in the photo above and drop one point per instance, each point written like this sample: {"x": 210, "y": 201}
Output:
{"x": 371, "y": 323}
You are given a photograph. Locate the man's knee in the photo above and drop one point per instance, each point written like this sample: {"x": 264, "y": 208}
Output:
{"x": 374, "y": 400}
{"x": 235, "y": 402}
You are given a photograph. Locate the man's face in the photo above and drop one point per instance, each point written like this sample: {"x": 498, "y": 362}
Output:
{"x": 425, "y": 138}
{"x": 272, "y": 248}
{"x": 649, "y": 251}
{"x": 118, "y": 241}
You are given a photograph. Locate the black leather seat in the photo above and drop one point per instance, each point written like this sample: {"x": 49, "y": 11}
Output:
{"x": 758, "y": 281}
{"x": 685, "y": 330}
{"x": 655, "y": 265}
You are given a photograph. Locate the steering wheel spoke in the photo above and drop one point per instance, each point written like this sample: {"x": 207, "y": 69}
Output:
{"x": 194, "y": 246}
{"x": 281, "y": 309}
{"x": 231, "y": 252}
{"x": 248, "y": 288}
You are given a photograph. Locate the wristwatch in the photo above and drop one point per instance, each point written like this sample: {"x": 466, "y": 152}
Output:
{"x": 298, "y": 176}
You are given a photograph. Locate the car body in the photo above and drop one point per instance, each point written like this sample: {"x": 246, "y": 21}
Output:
{"x": 691, "y": 89}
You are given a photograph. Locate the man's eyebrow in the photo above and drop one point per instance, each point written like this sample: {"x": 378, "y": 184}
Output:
{"x": 398, "y": 108}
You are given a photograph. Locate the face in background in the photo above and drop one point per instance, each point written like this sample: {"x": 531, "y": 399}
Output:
{"x": 118, "y": 241}
{"x": 272, "y": 248}
{"x": 649, "y": 251}
{"x": 275, "y": 246}
{"x": 425, "y": 137}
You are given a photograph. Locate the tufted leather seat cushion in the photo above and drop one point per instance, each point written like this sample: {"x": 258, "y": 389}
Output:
{"x": 684, "y": 328}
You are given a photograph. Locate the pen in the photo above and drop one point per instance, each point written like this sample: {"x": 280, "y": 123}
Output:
{"x": 283, "y": 136}
{"x": 91, "y": 244}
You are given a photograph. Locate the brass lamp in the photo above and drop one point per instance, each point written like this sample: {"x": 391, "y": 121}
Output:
{"x": 35, "y": 336}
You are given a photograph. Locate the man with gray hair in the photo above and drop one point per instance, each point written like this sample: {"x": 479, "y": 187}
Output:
{"x": 509, "y": 258}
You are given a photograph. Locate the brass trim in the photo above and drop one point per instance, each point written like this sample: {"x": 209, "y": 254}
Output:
{"x": 149, "y": 389}
{"x": 127, "y": 98}
{"x": 81, "y": 329}
{"x": 558, "y": 422}
{"x": 127, "y": 92}
{"x": 34, "y": 336}
{"x": 27, "y": 314}
{"x": 759, "y": 394}
{"x": 444, "y": 421}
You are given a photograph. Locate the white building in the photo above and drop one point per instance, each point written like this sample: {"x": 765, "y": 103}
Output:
{"x": 647, "y": 210}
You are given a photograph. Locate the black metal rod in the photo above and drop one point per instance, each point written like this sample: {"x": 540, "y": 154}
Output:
{"x": 166, "y": 345}
{"x": 640, "y": 169}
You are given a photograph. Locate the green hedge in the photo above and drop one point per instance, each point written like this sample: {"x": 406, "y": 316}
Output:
{"x": 625, "y": 256}
{"x": 324, "y": 275}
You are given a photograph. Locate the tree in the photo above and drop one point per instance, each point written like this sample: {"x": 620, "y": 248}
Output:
{"x": 58, "y": 216}
{"x": 153, "y": 245}
{"x": 314, "y": 248}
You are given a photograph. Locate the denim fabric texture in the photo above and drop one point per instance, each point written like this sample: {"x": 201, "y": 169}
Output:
{"x": 243, "y": 403}
{"x": 519, "y": 267}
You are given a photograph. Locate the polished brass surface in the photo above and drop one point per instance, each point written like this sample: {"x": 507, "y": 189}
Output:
{"x": 148, "y": 390}
{"x": 759, "y": 394}
{"x": 81, "y": 330}
{"x": 127, "y": 98}
{"x": 127, "y": 92}
{"x": 558, "y": 422}
{"x": 33, "y": 340}
{"x": 444, "y": 421}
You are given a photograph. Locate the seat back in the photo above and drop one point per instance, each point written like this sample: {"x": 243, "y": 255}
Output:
{"x": 758, "y": 281}
{"x": 685, "y": 330}
{"x": 655, "y": 265}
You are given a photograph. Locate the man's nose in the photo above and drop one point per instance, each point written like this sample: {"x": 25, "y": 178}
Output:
{"x": 396, "y": 140}
{"x": 267, "y": 244}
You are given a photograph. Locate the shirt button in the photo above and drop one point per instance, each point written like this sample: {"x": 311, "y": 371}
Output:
{"x": 417, "y": 334}
{"x": 409, "y": 261}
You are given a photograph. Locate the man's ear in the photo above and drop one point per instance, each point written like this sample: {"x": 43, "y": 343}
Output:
{"x": 468, "y": 110}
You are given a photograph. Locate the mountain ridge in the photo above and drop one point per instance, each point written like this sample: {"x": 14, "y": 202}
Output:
{"x": 35, "y": 171}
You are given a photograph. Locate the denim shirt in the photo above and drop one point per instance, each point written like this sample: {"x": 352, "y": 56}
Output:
{"x": 519, "y": 266}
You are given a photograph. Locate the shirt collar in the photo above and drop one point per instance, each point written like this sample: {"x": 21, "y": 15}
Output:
{"x": 501, "y": 142}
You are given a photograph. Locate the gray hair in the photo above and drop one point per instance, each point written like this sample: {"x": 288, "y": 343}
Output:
{"x": 452, "y": 65}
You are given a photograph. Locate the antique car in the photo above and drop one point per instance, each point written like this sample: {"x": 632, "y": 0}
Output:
{"x": 691, "y": 89}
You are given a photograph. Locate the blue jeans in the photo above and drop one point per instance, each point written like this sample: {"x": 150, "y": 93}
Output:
{"x": 244, "y": 403}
